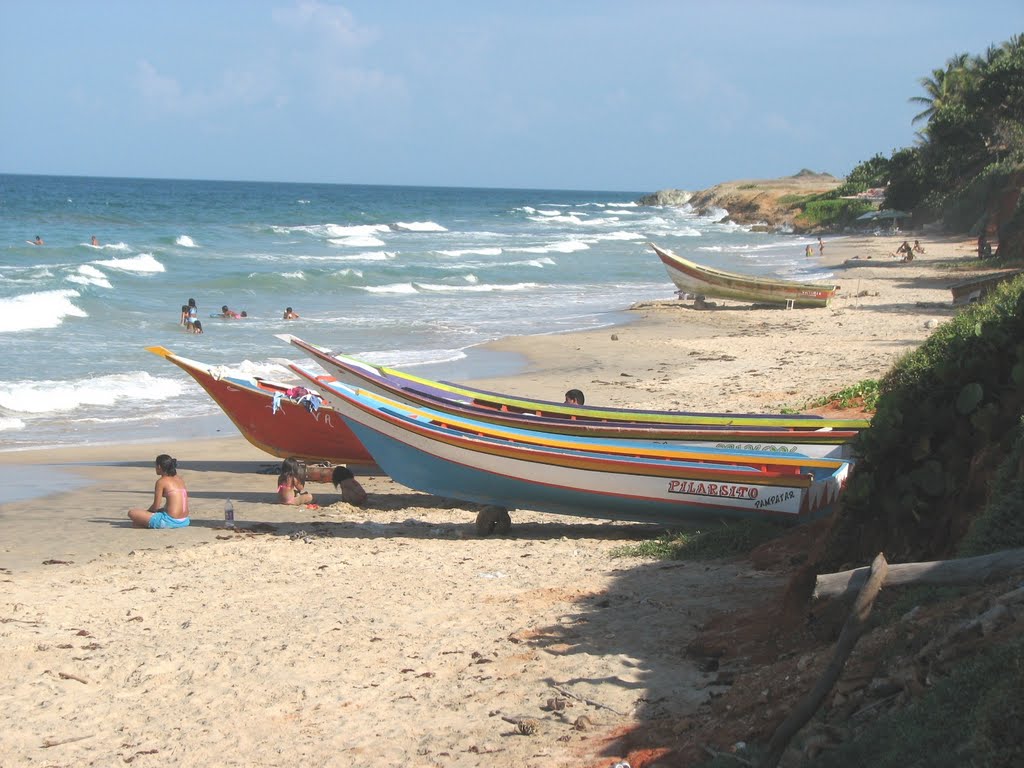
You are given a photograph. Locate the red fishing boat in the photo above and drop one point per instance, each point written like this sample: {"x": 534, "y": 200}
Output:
{"x": 281, "y": 419}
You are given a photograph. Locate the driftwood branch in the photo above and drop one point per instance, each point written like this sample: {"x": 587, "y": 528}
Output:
{"x": 968, "y": 570}
{"x": 589, "y": 702}
{"x": 853, "y": 628}
{"x": 51, "y": 743}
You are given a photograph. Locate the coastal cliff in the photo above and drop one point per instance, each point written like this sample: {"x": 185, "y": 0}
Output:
{"x": 771, "y": 203}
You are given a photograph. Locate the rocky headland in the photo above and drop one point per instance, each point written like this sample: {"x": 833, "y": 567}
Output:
{"x": 773, "y": 204}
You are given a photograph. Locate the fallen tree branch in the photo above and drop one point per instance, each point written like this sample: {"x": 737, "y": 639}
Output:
{"x": 51, "y": 743}
{"x": 716, "y": 754}
{"x": 853, "y": 628}
{"x": 968, "y": 570}
{"x": 591, "y": 702}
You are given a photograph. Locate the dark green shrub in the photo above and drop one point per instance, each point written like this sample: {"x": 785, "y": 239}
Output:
{"x": 947, "y": 415}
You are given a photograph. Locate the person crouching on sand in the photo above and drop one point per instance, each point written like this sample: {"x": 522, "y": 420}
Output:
{"x": 170, "y": 499}
{"x": 351, "y": 491}
{"x": 291, "y": 483}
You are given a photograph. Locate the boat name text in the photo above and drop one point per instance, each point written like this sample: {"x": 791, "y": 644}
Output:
{"x": 776, "y": 499}
{"x": 768, "y": 448}
{"x": 698, "y": 488}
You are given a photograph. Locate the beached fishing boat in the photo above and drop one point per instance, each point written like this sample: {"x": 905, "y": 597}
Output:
{"x": 700, "y": 280}
{"x": 977, "y": 288}
{"x": 505, "y": 474}
{"x": 823, "y": 443}
{"x": 535, "y": 434}
{"x": 350, "y": 370}
{"x": 270, "y": 418}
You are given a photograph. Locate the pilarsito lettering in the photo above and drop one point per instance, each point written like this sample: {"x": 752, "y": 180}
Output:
{"x": 700, "y": 488}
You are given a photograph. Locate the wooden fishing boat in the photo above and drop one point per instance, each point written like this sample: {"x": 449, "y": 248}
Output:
{"x": 282, "y": 428}
{"x": 977, "y": 288}
{"x": 824, "y": 443}
{"x": 706, "y": 281}
{"x": 504, "y": 473}
{"x": 398, "y": 384}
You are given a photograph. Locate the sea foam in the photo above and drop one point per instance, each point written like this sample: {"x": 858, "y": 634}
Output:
{"x": 144, "y": 262}
{"x": 45, "y": 309}
{"x": 122, "y": 389}
{"x": 420, "y": 226}
{"x": 89, "y": 275}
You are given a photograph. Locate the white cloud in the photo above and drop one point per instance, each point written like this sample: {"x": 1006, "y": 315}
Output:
{"x": 334, "y": 23}
{"x": 164, "y": 95}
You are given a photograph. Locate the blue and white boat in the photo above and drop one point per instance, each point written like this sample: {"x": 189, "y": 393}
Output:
{"x": 611, "y": 480}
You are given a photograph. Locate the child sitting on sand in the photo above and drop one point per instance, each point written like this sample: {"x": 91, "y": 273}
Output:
{"x": 170, "y": 499}
{"x": 291, "y": 483}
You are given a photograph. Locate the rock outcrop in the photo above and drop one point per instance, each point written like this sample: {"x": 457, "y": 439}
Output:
{"x": 674, "y": 197}
{"x": 773, "y": 203}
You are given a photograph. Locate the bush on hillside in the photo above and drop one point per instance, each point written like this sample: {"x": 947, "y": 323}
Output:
{"x": 947, "y": 416}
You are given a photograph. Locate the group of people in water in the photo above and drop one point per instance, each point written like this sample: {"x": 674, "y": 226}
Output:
{"x": 192, "y": 324}
{"x": 93, "y": 241}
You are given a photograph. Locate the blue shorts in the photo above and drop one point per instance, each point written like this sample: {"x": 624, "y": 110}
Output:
{"x": 163, "y": 520}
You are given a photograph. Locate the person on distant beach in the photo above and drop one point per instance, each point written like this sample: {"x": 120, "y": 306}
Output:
{"x": 290, "y": 314}
{"x": 821, "y": 247}
{"x": 94, "y": 242}
{"x": 808, "y": 251}
{"x": 351, "y": 491}
{"x": 574, "y": 397}
{"x": 291, "y": 483}
{"x": 170, "y": 499}
{"x": 906, "y": 250}
{"x": 197, "y": 327}
{"x": 193, "y": 312}
{"x": 185, "y": 320}
{"x": 37, "y": 241}
{"x": 229, "y": 313}
{"x": 918, "y": 248}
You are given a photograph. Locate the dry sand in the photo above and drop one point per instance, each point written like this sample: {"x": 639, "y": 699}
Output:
{"x": 391, "y": 635}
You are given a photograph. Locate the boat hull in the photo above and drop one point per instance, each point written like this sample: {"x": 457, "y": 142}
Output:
{"x": 290, "y": 431}
{"x": 512, "y": 475}
{"x": 584, "y": 435}
{"x": 705, "y": 281}
{"x": 420, "y": 391}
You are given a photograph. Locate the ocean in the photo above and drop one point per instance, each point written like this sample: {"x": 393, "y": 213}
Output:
{"x": 405, "y": 276}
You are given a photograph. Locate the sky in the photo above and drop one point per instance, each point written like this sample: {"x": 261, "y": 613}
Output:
{"x": 555, "y": 94}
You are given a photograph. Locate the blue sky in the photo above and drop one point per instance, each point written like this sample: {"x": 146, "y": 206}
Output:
{"x": 563, "y": 94}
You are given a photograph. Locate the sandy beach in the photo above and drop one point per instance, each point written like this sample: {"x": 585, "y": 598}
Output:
{"x": 391, "y": 635}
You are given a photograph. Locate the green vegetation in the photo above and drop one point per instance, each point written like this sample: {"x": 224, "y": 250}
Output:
{"x": 970, "y": 152}
{"x": 947, "y": 422}
{"x": 863, "y": 394}
{"x": 971, "y": 142}
{"x": 969, "y": 719}
{"x": 824, "y": 213}
{"x": 719, "y": 539}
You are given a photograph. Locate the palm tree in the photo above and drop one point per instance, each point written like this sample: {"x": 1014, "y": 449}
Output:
{"x": 944, "y": 86}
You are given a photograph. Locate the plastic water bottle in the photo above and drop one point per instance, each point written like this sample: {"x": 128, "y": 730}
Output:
{"x": 229, "y": 514}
